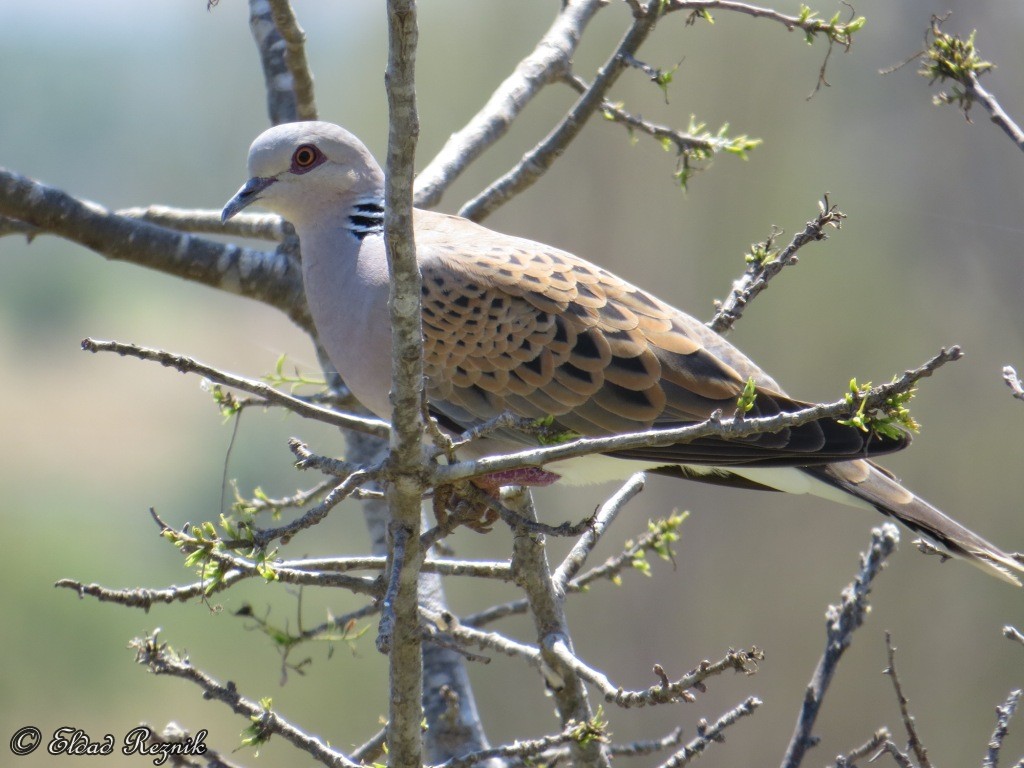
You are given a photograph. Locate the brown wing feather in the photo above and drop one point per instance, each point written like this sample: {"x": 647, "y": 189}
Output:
{"x": 514, "y": 325}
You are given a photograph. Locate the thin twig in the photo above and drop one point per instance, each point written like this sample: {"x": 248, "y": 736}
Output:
{"x": 552, "y": 55}
{"x": 261, "y": 389}
{"x": 840, "y": 623}
{"x": 1003, "y": 715}
{"x": 708, "y": 734}
{"x": 683, "y": 141}
{"x": 161, "y": 659}
{"x": 1013, "y": 382}
{"x": 300, "y": 498}
{"x": 386, "y": 628}
{"x": 605, "y": 516}
{"x": 519, "y": 750}
{"x": 173, "y": 743}
{"x": 666, "y": 691}
{"x": 487, "y": 641}
{"x": 476, "y": 569}
{"x": 537, "y": 161}
{"x": 996, "y": 113}
{"x": 372, "y": 749}
{"x": 647, "y": 746}
{"x": 262, "y": 537}
{"x": 1013, "y": 633}
{"x": 901, "y": 758}
{"x": 141, "y": 597}
{"x": 765, "y": 263}
{"x": 869, "y": 747}
{"x": 913, "y": 740}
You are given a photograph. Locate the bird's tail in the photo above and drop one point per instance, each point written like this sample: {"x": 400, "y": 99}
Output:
{"x": 874, "y": 485}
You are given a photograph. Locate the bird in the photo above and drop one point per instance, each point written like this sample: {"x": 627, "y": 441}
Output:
{"x": 515, "y": 326}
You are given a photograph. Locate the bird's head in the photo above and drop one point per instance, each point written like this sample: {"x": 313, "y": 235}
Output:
{"x": 301, "y": 170}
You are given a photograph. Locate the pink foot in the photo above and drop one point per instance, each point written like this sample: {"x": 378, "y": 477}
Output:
{"x": 530, "y": 476}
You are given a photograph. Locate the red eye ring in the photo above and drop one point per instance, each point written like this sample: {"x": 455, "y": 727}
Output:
{"x": 305, "y": 156}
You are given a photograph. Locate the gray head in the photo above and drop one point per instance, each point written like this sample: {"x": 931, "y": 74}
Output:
{"x": 300, "y": 169}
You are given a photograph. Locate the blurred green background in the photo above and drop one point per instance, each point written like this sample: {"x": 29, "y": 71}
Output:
{"x": 130, "y": 104}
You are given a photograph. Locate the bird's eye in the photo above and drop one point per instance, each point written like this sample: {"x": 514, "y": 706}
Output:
{"x": 305, "y": 157}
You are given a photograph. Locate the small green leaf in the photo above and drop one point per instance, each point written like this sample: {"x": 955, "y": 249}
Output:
{"x": 745, "y": 402}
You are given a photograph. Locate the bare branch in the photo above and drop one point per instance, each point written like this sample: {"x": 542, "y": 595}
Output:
{"x": 141, "y": 597}
{"x": 520, "y": 750}
{"x": 533, "y": 576}
{"x": 666, "y": 692}
{"x": 257, "y": 226}
{"x": 870, "y": 747}
{"x": 1013, "y": 382}
{"x": 296, "y": 405}
{"x": 372, "y": 749}
{"x": 273, "y": 278}
{"x": 536, "y": 162}
{"x": 261, "y": 538}
{"x": 551, "y": 56}
{"x": 488, "y": 641}
{"x": 1003, "y": 715}
{"x": 913, "y": 739}
{"x": 706, "y": 734}
{"x": 654, "y": 539}
{"x": 281, "y": 43}
{"x": 1012, "y": 633}
{"x": 173, "y": 744}
{"x": 765, "y": 262}
{"x": 997, "y": 114}
{"x": 901, "y": 758}
{"x": 400, "y": 635}
{"x": 601, "y": 522}
{"x": 161, "y": 659}
{"x": 647, "y": 747}
{"x": 840, "y": 623}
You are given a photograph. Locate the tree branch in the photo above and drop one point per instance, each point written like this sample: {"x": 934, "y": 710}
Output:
{"x": 405, "y": 459}
{"x": 273, "y": 278}
{"x": 840, "y": 623}
{"x": 765, "y": 262}
{"x": 533, "y": 576}
{"x": 257, "y": 226}
{"x": 913, "y": 739}
{"x": 1003, "y": 715}
{"x": 281, "y": 43}
{"x": 161, "y": 659}
{"x": 707, "y": 734}
{"x": 537, "y": 161}
{"x": 551, "y": 56}
{"x": 260, "y": 389}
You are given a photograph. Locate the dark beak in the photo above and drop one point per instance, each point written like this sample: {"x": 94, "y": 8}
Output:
{"x": 246, "y": 196}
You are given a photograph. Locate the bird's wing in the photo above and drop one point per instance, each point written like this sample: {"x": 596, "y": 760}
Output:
{"x": 513, "y": 325}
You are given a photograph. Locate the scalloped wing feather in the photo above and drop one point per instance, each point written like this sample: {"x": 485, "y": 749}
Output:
{"x": 514, "y": 325}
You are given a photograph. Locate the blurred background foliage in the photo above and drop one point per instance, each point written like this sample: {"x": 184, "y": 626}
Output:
{"x": 131, "y": 104}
